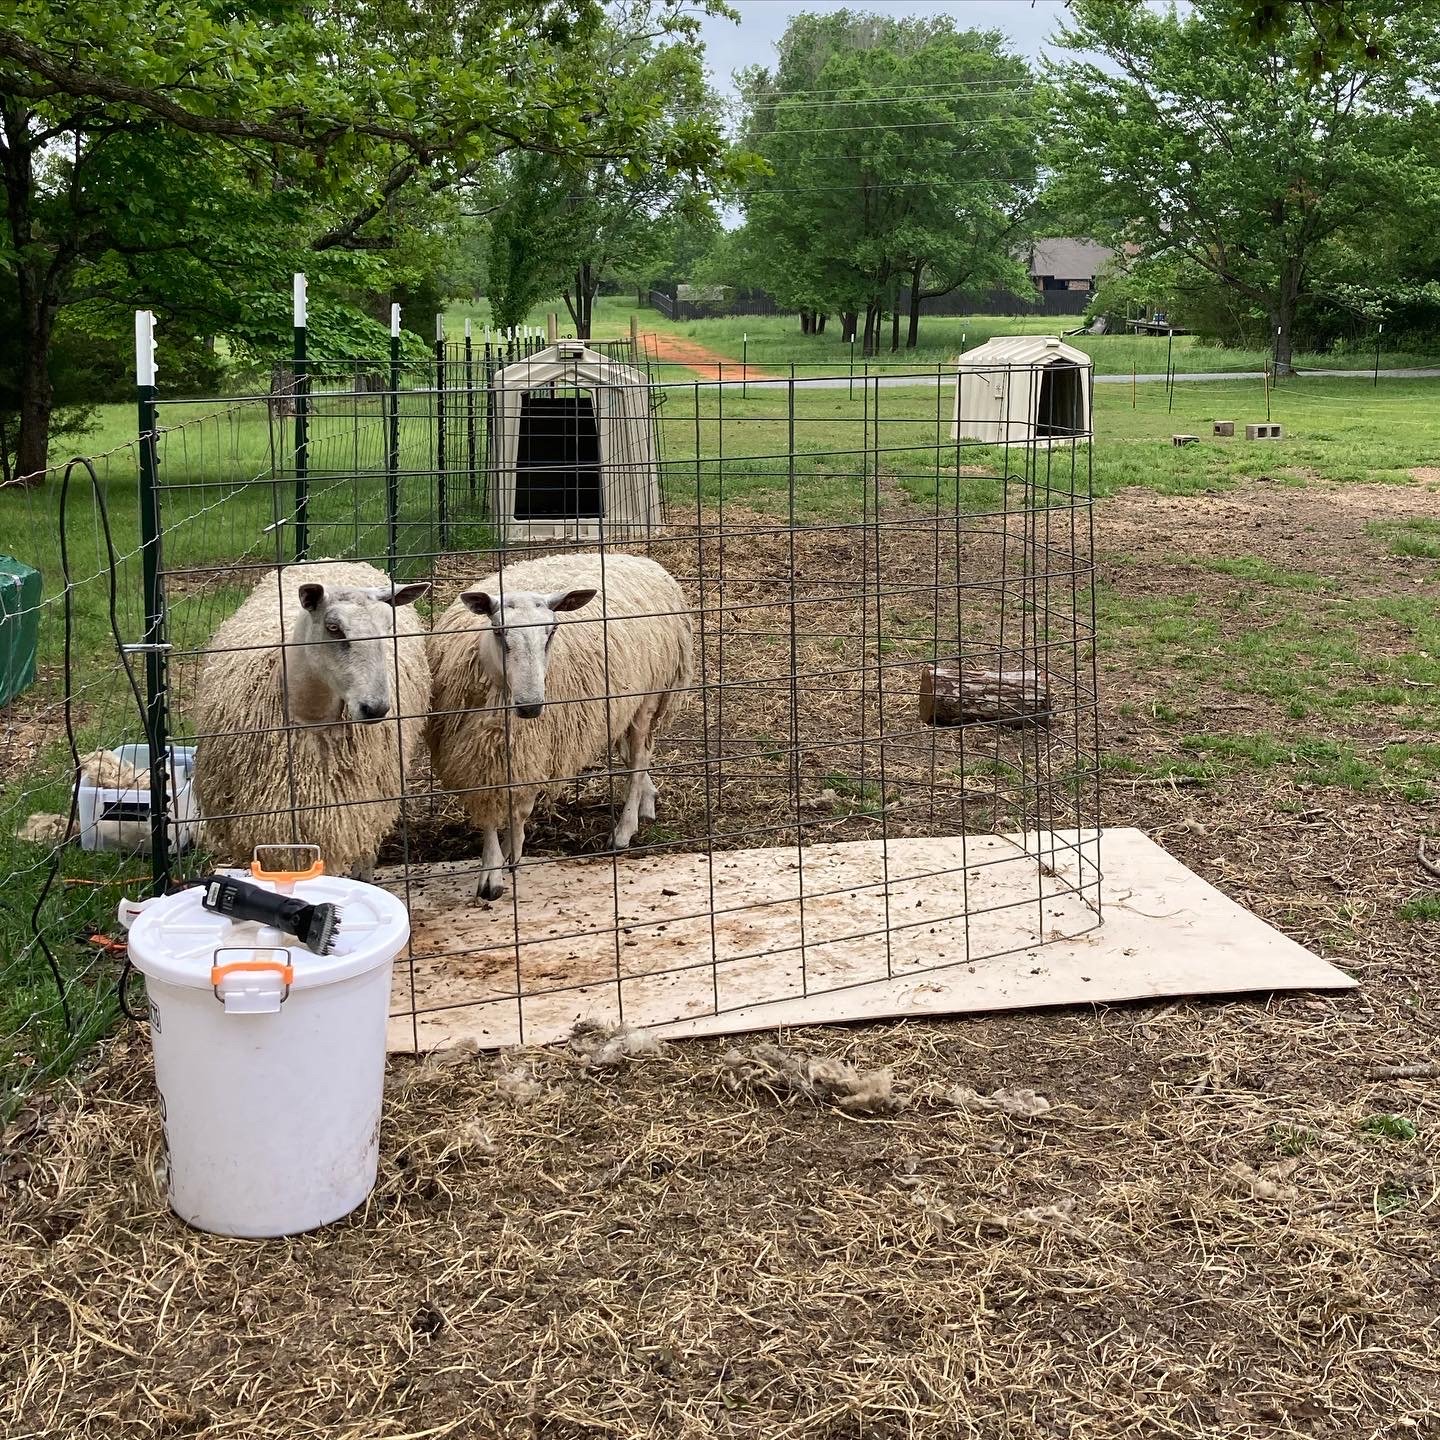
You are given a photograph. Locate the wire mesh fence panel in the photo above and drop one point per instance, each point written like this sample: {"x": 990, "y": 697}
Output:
{"x": 652, "y": 700}
{"x": 716, "y": 677}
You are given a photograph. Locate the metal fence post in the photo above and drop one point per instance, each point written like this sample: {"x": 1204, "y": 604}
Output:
{"x": 302, "y": 424}
{"x": 392, "y": 450}
{"x": 442, "y": 499}
{"x": 470, "y": 409}
{"x": 154, "y": 644}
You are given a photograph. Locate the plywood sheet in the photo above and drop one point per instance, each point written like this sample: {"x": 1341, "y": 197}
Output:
{"x": 752, "y": 939}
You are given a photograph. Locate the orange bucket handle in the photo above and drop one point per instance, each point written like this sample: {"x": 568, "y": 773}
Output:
{"x": 285, "y": 971}
{"x": 286, "y": 877}
{"x": 283, "y": 968}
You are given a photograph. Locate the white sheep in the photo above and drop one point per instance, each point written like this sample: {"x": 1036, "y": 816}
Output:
{"x": 533, "y": 684}
{"x": 289, "y": 748}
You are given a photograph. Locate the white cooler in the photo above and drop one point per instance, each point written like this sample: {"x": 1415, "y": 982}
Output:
{"x": 269, "y": 1059}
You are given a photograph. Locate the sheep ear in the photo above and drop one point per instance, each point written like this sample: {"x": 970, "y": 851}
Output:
{"x": 399, "y": 595}
{"x": 478, "y": 602}
{"x": 569, "y": 599}
{"x": 311, "y": 596}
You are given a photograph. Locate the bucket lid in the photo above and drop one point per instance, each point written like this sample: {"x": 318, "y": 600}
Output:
{"x": 175, "y": 939}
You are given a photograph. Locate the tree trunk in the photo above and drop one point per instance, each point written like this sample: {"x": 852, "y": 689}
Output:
{"x": 586, "y": 284}
{"x": 37, "y": 395}
{"x": 894, "y": 329}
{"x": 37, "y": 289}
{"x": 849, "y": 324}
{"x": 807, "y": 322}
{"x": 952, "y": 696}
{"x": 1282, "y": 325}
{"x": 913, "y": 338}
{"x": 871, "y": 339}
{"x": 820, "y": 324}
{"x": 1282, "y": 318}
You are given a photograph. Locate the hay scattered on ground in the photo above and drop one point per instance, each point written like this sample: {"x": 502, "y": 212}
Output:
{"x": 1222, "y": 1230}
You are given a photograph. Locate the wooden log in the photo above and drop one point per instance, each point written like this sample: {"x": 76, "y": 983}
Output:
{"x": 952, "y": 696}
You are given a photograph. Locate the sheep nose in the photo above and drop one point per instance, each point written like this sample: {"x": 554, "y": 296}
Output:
{"x": 529, "y": 712}
{"x": 372, "y": 710}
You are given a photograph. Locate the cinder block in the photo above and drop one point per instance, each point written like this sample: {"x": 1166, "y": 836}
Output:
{"x": 1264, "y": 432}
{"x": 1224, "y": 427}
{"x": 1184, "y": 439}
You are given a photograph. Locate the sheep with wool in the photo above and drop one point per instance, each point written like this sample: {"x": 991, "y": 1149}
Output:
{"x": 540, "y": 671}
{"x": 293, "y": 740}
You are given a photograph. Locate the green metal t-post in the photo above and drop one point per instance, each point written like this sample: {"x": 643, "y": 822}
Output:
{"x": 442, "y": 498}
{"x": 470, "y": 410}
{"x": 302, "y": 424}
{"x": 154, "y": 644}
{"x": 392, "y": 450}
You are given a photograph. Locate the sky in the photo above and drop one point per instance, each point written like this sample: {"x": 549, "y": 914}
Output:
{"x": 730, "y": 47}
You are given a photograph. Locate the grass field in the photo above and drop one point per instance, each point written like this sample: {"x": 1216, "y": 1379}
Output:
{"x": 1221, "y": 1227}
{"x": 776, "y": 341}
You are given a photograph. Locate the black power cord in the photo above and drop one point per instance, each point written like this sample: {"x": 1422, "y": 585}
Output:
{"x": 55, "y": 862}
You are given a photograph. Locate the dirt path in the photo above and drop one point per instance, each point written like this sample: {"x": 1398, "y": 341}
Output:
{"x": 679, "y": 350}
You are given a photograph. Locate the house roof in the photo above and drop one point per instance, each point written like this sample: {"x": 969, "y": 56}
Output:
{"x": 1068, "y": 259}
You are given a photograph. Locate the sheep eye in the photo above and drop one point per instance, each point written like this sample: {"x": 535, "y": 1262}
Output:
{"x": 331, "y": 628}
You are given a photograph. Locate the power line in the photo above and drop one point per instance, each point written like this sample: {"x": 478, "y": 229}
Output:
{"x": 986, "y": 90}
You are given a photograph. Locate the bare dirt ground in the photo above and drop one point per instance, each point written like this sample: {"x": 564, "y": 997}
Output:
{"x": 1219, "y": 1221}
{"x": 680, "y": 350}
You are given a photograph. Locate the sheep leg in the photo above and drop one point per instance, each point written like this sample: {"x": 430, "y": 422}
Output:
{"x": 492, "y": 867}
{"x": 648, "y": 792}
{"x": 638, "y": 757}
{"x": 515, "y": 835}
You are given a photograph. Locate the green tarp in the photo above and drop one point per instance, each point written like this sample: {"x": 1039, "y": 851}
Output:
{"x": 19, "y": 626}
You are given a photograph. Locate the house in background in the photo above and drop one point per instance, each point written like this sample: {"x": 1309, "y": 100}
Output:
{"x": 1066, "y": 264}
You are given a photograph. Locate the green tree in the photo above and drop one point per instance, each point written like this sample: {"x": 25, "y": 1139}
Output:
{"x": 569, "y": 221}
{"x": 902, "y": 155}
{"x": 185, "y": 156}
{"x": 1230, "y": 158}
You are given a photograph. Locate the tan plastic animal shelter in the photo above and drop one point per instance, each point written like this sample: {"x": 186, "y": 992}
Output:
{"x": 1023, "y": 390}
{"x": 572, "y": 451}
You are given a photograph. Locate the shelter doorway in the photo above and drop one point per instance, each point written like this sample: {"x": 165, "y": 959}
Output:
{"x": 1060, "y": 412}
{"x": 557, "y": 461}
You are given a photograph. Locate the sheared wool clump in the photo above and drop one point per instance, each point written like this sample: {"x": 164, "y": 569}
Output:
{"x": 605, "y": 1046}
{"x": 819, "y": 1078}
{"x": 1020, "y": 1103}
{"x": 105, "y": 769}
{"x": 44, "y": 828}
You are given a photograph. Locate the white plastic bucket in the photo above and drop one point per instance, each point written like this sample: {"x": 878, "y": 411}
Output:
{"x": 270, "y": 1060}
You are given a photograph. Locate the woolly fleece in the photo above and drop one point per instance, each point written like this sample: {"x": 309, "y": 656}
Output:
{"x": 279, "y": 784}
{"x": 644, "y": 648}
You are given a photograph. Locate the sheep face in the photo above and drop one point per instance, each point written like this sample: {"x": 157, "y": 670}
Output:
{"x": 514, "y": 648}
{"x": 340, "y": 666}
